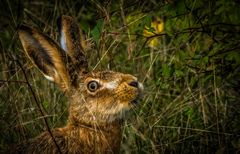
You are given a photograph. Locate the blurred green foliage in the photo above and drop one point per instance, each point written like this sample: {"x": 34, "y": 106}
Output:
{"x": 192, "y": 78}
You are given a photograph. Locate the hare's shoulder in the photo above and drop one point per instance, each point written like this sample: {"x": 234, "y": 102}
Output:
{"x": 71, "y": 140}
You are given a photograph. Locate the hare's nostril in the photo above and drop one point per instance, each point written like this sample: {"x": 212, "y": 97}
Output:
{"x": 134, "y": 84}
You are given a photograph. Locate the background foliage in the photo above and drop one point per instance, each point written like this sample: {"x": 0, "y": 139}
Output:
{"x": 191, "y": 74}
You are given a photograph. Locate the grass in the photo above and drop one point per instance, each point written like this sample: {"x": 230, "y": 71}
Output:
{"x": 191, "y": 78}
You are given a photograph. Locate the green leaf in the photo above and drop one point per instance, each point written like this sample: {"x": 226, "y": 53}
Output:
{"x": 190, "y": 112}
{"x": 96, "y": 32}
{"x": 166, "y": 70}
{"x": 85, "y": 26}
{"x": 45, "y": 104}
{"x": 205, "y": 60}
{"x": 147, "y": 20}
{"x": 233, "y": 56}
{"x": 179, "y": 73}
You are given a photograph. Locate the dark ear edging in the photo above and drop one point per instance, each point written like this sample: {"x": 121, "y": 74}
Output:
{"x": 46, "y": 55}
{"x": 71, "y": 42}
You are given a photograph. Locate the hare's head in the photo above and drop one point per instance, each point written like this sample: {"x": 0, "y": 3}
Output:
{"x": 101, "y": 97}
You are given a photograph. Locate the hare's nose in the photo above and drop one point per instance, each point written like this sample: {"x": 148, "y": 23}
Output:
{"x": 133, "y": 84}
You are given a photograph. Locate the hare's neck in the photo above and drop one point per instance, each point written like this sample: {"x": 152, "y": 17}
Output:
{"x": 95, "y": 126}
{"x": 101, "y": 139}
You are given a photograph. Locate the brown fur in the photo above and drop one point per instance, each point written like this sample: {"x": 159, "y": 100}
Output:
{"x": 76, "y": 139}
{"x": 98, "y": 100}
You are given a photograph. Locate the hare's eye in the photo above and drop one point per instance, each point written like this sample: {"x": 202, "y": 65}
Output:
{"x": 93, "y": 86}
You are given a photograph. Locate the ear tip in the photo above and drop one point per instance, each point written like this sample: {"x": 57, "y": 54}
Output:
{"x": 61, "y": 20}
{"x": 63, "y": 17}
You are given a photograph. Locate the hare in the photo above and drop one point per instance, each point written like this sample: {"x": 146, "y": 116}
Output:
{"x": 98, "y": 100}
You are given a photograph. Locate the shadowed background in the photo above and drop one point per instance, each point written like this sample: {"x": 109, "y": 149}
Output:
{"x": 186, "y": 53}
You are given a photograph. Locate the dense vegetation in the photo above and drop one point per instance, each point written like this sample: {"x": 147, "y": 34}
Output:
{"x": 189, "y": 64}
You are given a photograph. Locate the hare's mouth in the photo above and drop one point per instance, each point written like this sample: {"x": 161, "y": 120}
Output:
{"x": 138, "y": 98}
{"x": 135, "y": 102}
{"x": 139, "y": 95}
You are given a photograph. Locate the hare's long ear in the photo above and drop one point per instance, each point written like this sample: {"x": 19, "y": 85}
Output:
{"x": 71, "y": 42}
{"x": 46, "y": 54}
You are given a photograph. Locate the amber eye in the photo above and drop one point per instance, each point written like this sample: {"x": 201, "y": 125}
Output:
{"x": 93, "y": 86}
